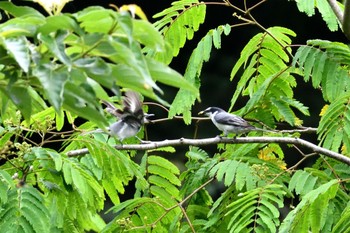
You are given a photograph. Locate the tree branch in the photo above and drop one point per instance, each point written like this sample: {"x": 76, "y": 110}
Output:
{"x": 210, "y": 141}
{"x": 343, "y": 17}
{"x": 337, "y": 11}
{"x": 346, "y": 18}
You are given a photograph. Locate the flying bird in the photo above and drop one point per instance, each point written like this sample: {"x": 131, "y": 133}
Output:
{"x": 130, "y": 118}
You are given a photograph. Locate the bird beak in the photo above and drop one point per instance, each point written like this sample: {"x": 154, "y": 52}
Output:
{"x": 146, "y": 115}
{"x": 201, "y": 113}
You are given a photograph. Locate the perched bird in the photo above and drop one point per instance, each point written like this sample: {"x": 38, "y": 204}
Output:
{"x": 130, "y": 118}
{"x": 228, "y": 123}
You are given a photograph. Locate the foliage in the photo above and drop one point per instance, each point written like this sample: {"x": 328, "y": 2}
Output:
{"x": 326, "y": 64}
{"x": 67, "y": 59}
{"x": 323, "y": 7}
{"x": 55, "y": 69}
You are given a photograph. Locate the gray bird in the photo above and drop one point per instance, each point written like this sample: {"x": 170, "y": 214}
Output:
{"x": 228, "y": 123}
{"x": 130, "y": 118}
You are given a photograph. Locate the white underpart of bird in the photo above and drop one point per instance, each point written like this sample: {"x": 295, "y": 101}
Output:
{"x": 124, "y": 129}
{"x": 228, "y": 123}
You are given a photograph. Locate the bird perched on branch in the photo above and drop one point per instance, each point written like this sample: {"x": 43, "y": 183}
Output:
{"x": 130, "y": 118}
{"x": 228, "y": 123}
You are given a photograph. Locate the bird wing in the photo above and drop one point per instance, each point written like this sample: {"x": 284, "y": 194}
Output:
{"x": 132, "y": 104}
{"x": 112, "y": 109}
{"x": 225, "y": 118}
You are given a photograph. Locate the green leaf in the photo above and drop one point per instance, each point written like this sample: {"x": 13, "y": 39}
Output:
{"x": 56, "y": 45}
{"x": 47, "y": 156}
{"x": 296, "y": 104}
{"x": 197, "y": 154}
{"x": 96, "y": 19}
{"x": 19, "y": 11}
{"x": 93, "y": 65}
{"x": 7, "y": 182}
{"x": 325, "y": 61}
{"x": 258, "y": 94}
{"x": 81, "y": 101}
{"x": 164, "y": 74}
{"x": 306, "y": 6}
{"x": 23, "y": 26}
{"x": 55, "y": 23}
{"x": 164, "y": 183}
{"x": 131, "y": 56}
{"x": 343, "y": 225}
{"x": 56, "y": 158}
{"x": 53, "y": 82}
{"x": 127, "y": 77}
{"x": 162, "y": 162}
{"x": 296, "y": 220}
{"x": 25, "y": 210}
{"x": 302, "y": 182}
{"x": 334, "y": 124}
{"x": 84, "y": 182}
{"x": 125, "y": 22}
{"x": 18, "y": 49}
{"x": 59, "y": 120}
{"x": 284, "y": 110}
{"x": 146, "y": 34}
{"x": 21, "y": 98}
{"x": 258, "y": 206}
{"x": 328, "y": 14}
{"x": 184, "y": 99}
{"x": 163, "y": 172}
{"x": 248, "y": 50}
{"x": 179, "y": 23}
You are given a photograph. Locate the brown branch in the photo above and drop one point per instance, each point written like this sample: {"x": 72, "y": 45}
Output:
{"x": 343, "y": 17}
{"x": 217, "y": 140}
{"x": 255, "y": 6}
{"x": 336, "y": 9}
{"x": 346, "y": 18}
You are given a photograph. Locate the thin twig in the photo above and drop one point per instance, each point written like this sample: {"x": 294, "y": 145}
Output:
{"x": 255, "y": 6}
{"x": 300, "y": 161}
{"x": 196, "y": 190}
{"x": 334, "y": 173}
{"x": 167, "y": 210}
{"x": 187, "y": 218}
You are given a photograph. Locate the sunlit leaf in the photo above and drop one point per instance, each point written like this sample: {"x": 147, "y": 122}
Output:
{"x": 18, "y": 48}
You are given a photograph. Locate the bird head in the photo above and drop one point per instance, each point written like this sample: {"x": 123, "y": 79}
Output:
{"x": 210, "y": 111}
